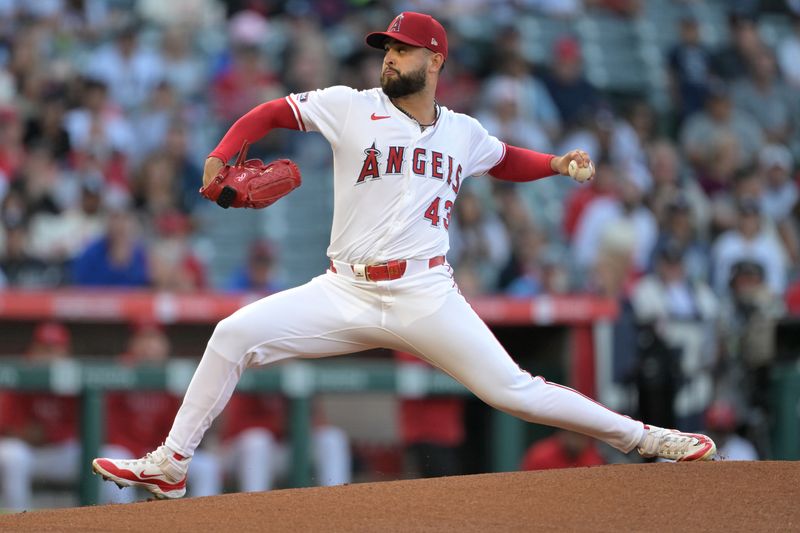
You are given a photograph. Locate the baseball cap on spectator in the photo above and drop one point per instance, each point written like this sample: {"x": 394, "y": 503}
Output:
{"x": 747, "y": 267}
{"x": 721, "y": 416}
{"x": 51, "y": 334}
{"x": 567, "y": 48}
{"x": 415, "y": 29}
{"x": 261, "y": 251}
{"x": 775, "y": 155}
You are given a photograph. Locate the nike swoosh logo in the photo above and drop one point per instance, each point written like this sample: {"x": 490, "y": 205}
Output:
{"x": 378, "y": 117}
{"x": 147, "y": 476}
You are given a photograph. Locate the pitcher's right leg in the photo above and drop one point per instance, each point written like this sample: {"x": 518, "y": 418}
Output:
{"x": 327, "y": 316}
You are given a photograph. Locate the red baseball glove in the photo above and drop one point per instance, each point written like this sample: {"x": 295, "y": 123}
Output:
{"x": 251, "y": 183}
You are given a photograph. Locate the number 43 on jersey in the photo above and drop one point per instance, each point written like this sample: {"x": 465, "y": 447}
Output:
{"x": 432, "y": 213}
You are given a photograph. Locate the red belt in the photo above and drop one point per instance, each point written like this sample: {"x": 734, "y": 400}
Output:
{"x": 389, "y": 270}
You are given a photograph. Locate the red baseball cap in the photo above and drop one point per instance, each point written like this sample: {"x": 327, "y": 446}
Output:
{"x": 415, "y": 29}
{"x": 51, "y": 334}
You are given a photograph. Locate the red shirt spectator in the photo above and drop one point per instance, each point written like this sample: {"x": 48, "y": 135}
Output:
{"x": 563, "y": 450}
{"x": 245, "y": 411}
{"x": 135, "y": 420}
{"x": 436, "y": 420}
{"x": 39, "y": 419}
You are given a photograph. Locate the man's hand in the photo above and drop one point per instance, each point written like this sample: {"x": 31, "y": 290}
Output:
{"x": 582, "y": 160}
{"x": 212, "y": 167}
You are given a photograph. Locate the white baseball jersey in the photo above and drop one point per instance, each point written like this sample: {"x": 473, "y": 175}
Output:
{"x": 394, "y": 185}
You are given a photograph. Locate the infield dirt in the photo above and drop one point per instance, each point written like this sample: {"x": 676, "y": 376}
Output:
{"x": 714, "y": 496}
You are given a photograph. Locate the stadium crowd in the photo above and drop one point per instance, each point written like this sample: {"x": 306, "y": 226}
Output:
{"x": 108, "y": 109}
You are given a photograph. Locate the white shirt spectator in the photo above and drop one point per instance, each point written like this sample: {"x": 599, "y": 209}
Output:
{"x": 131, "y": 79}
{"x": 117, "y": 133}
{"x": 788, "y": 54}
{"x": 731, "y": 247}
{"x": 737, "y": 449}
{"x": 604, "y": 212}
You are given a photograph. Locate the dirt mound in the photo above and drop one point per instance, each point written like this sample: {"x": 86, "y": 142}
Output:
{"x": 715, "y": 496}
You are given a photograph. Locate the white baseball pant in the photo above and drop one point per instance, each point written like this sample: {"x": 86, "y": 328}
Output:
{"x": 422, "y": 313}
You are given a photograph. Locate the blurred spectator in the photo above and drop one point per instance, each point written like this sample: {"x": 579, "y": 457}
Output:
{"x": 750, "y": 312}
{"x": 246, "y": 82}
{"x": 477, "y": 236}
{"x": 721, "y": 422}
{"x": 136, "y": 419}
{"x": 779, "y": 198}
{"x": 684, "y": 314}
{"x": 187, "y": 172}
{"x": 173, "y": 265}
{"x": 788, "y": 52}
{"x": 184, "y": 70}
{"x": 749, "y": 240}
{"x": 524, "y": 274}
{"x": 564, "y": 449}
{"x": 603, "y": 185}
{"x": 118, "y": 258}
{"x": 703, "y": 133}
{"x": 767, "y": 99}
{"x": 253, "y": 430}
{"x": 601, "y": 213}
{"x": 156, "y": 190}
{"x": 131, "y": 71}
{"x": 504, "y": 119}
{"x": 573, "y": 95}
{"x": 431, "y": 429}
{"x": 744, "y": 184}
{"x": 60, "y": 238}
{"x": 38, "y": 180}
{"x": 155, "y": 118}
{"x": 671, "y": 181}
{"x": 730, "y": 61}
{"x": 98, "y": 126}
{"x": 515, "y": 83}
{"x": 38, "y": 430}
{"x": 690, "y": 68}
{"x": 259, "y": 273}
{"x": 46, "y": 127}
{"x": 677, "y": 229}
{"x": 21, "y": 268}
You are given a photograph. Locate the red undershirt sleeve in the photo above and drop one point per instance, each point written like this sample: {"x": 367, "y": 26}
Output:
{"x": 520, "y": 164}
{"x": 255, "y": 124}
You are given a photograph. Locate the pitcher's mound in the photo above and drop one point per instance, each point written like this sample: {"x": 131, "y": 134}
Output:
{"x": 713, "y": 496}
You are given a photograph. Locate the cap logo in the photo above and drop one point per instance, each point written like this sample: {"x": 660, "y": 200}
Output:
{"x": 434, "y": 42}
{"x": 395, "y": 26}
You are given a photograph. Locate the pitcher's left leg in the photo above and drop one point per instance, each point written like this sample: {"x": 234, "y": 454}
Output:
{"x": 456, "y": 340}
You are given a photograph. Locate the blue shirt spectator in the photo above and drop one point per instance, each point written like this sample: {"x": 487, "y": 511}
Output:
{"x": 118, "y": 258}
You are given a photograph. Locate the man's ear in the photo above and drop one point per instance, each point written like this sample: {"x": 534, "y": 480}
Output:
{"x": 437, "y": 62}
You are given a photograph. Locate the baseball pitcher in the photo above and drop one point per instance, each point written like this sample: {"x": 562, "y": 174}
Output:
{"x": 399, "y": 161}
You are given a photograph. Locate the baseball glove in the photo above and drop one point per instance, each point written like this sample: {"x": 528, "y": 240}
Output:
{"x": 250, "y": 183}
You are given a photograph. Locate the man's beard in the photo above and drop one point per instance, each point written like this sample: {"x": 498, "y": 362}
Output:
{"x": 403, "y": 84}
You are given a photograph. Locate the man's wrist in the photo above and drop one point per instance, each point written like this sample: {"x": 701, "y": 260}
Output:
{"x": 554, "y": 164}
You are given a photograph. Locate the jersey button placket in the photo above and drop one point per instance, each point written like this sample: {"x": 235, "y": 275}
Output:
{"x": 403, "y": 203}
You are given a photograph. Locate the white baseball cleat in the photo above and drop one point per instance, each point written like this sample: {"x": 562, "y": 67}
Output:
{"x": 674, "y": 445}
{"x": 161, "y": 472}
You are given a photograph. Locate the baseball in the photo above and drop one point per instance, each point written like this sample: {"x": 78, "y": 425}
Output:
{"x": 580, "y": 174}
